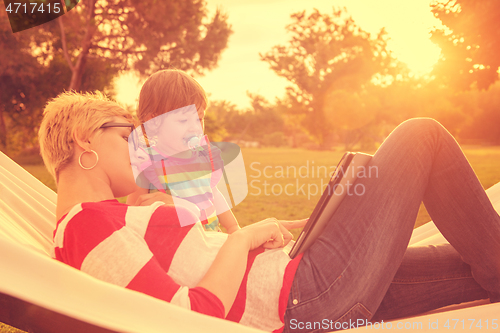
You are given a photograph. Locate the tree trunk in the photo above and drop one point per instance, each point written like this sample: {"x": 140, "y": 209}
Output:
{"x": 77, "y": 73}
{"x": 79, "y": 68}
{"x": 3, "y": 130}
{"x": 321, "y": 124}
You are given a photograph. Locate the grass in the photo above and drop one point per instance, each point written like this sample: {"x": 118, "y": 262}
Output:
{"x": 272, "y": 170}
{"x": 263, "y": 202}
{"x": 299, "y": 170}
{"x": 40, "y": 172}
{"x": 303, "y": 172}
{"x": 9, "y": 329}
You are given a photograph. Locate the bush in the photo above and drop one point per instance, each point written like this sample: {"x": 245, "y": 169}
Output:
{"x": 276, "y": 139}
{"x": 29, "y": 156}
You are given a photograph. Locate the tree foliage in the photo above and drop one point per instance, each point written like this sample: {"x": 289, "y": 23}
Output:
{"x": 471, "y": 44}
{"x": 261, "y": 122}
{"x": 140, "y": 35}
{"x": 28, "y": 80}
{"x": 88, "y": 46}
{"x": 327, "y": 54}
{"x": 24, "y": 84}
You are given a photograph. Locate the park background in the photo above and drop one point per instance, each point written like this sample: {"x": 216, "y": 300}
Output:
{"x": 294, "y": 83}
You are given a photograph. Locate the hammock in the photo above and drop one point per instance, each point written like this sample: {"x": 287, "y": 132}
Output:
{"x": 41, "y": 294}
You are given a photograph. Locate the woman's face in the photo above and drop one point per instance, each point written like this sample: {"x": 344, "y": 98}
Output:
{"x": 114, "y": 160}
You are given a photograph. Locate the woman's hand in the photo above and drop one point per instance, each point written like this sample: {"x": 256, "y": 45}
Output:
{"x": 231, "y": 261}
{"x": 270, "y": 233}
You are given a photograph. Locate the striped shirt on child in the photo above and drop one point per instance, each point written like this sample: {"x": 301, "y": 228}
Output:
{"x": 191, "y": 179}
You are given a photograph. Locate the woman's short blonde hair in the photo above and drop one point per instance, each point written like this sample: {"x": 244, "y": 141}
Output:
{"x": 68, "y": 114}
{"x": 168, "y": 90}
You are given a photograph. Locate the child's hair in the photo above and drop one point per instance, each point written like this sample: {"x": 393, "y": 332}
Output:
{"x": 168, "y": 90}
{"x": 68, "y": 113}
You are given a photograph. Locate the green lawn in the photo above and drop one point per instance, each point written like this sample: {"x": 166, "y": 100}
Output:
{"x": 8, "y": 329}
{"x": 303, "y": 171}
{"x": 264, "y": 197}
{"x": 40, "y": 172}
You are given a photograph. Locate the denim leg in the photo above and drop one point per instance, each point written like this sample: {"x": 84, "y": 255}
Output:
{"x": 348, "y": 270}
{"x": 429, "y": 277}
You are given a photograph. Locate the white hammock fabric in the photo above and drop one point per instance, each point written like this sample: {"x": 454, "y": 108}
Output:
{"x": 28, "y": 273}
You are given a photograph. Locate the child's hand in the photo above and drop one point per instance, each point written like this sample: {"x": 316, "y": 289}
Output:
{"x": 150, "y": 198}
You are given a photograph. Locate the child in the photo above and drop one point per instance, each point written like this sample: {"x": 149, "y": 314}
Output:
{"x": 177, "y": 159}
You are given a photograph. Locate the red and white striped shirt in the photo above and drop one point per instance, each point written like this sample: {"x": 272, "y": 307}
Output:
{"x": 144, "y": 248}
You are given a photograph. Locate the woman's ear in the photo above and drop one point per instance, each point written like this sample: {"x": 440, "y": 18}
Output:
{"x": 80, "y": 141}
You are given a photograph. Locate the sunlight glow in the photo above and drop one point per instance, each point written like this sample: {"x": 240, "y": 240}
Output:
{"x": 419, "y": 55}
{"x": 260, "y": 24}
{"x": 128, "y": 89}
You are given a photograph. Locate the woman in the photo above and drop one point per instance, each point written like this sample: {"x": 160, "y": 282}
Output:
{"x": 360, "y": 268}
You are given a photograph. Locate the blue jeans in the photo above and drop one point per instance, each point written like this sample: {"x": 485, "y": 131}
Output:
{"x": 361, "y": 268}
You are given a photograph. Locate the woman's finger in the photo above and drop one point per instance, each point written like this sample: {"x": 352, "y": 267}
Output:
{"x": 282, "y": 239}
{"x": 294, "y": 224}
{"x": 276, "y": 236}
{"x": 287, "y": 236}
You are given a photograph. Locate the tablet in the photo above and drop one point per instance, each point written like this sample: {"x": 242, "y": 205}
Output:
{"x": 341, "y": 183}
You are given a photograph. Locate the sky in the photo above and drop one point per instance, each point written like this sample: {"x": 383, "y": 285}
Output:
{"x": 259, "y": 25}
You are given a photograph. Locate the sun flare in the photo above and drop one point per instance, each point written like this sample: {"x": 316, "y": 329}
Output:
{"x": 260, "y": 24}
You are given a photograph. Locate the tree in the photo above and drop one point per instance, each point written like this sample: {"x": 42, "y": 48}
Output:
{"x": 88, "y": 46}
{"x": 223, "y": 120}
{"x": 482, "y": 108}
{"x": 264, "y": 121}
{"x": 325, "y": 54}
{"x": 140, "y": 35}
{"x": 471, "y": 44}
{"x": 19, "y": 86}
{"x": 27, "y": 83}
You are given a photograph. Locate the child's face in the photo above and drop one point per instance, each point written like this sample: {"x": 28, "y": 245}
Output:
{"x": 177, "y": 128}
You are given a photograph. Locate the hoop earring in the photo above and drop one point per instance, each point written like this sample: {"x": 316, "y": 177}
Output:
{"x": 80, "y": 159}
